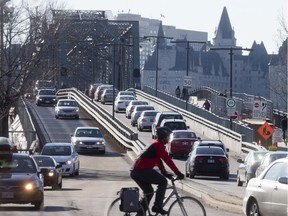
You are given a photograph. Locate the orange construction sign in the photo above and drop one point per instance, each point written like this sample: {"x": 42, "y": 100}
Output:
{"x": 266, "y": 131}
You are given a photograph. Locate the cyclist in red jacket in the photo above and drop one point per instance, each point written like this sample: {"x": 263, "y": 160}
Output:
{"x": 144, "y": 174}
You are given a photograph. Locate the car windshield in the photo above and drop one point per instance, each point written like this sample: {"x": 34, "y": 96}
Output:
{"x": 175, "y": 125}
{"x": 258, "y": 156}
{"x": 126, "y": 98}
{"x": 185, "y": 135}
{"x": 44, "y": 162}
{"x": 149, "y": 113}
{"x": 67, "y": 103}
{"x": 56, "y": 150}
{"x": 17, "y": 164}
{"x": 89, "y": 133}
{"x": 46, "y": 92}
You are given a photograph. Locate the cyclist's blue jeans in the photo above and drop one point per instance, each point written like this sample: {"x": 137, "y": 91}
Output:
{"x": 145, "y": 179}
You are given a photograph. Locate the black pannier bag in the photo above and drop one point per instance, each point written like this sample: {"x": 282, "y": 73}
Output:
{"x": 129, "y": 199}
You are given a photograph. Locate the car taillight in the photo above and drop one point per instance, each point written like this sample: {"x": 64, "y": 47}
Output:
{"x": 198, "y": 159}
{"x": 144, "y": 120}
{"x": 223, "y": 160}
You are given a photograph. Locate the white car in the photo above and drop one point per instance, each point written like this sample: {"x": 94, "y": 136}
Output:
{"x": 126, "y": 93}
{"x": 267, "y": 194}
{"x": 88, "y": 140}
{"x": 137, "y": 112}
{"x": 122, "y": 102}
{"x": 132, "y": 104}
{"x": 64, "y": 154}
{"x": 146, "y": 120}
{"x": 67, "y": 108}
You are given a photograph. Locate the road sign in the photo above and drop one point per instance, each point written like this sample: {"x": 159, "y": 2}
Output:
{"x": 187, "y": 81}
{"x": 266, "y": 131}
{"x": 230, "y": 103}
{"x": 260, "y": 109}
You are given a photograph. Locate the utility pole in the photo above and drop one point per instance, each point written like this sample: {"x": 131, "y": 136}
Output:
{"x": 231, "y": 49}
{"x": 157, "y": 56}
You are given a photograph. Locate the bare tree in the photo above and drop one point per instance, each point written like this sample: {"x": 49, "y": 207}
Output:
{"x": 23, "y": 30}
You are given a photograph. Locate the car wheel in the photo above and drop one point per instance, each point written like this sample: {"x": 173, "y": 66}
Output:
{"x": 140, "y": 129}
{"x": 39, "y": 204}
{"x": 77, "y": 118}
{"x": 239, "y": 182}
{"x": 60, "y": 185}
{"x": 191, "y": 174}
{"x": 253, "y": 208}
{"x": 57, "y": 117}
{"x": 225, "y": 177}
{"x": 77, "y": 171}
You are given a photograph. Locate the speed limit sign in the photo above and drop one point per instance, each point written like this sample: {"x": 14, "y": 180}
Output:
{"x": 187, "y": 81}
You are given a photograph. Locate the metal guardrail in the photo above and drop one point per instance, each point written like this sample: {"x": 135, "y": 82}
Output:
{"x": 120, "y": 132}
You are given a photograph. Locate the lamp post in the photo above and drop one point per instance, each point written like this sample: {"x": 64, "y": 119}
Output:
{"x": 187, "y": 55}
{"x": 157, "y": 56}
{"x": 2, "y": 4}
{"x": 231, "y": 49}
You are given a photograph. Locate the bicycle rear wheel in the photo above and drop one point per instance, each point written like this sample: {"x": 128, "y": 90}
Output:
{"x": 114, "y": 210}
{"x": 187, "y": 206}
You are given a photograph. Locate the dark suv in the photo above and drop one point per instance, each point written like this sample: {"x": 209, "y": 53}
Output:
{"x": 164, "y": 115}
{"x": 46, "y": 96}
{"x": 212, "y": 143}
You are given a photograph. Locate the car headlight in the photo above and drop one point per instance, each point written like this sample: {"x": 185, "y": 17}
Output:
{"x": 79, "y": 142}
{"x": 77, "y": 110}
{"x": 69, "y": 162}
{"x": 101, "y": 142}
{"x": 31, "y": 185}
{"x": 51, "y": 173}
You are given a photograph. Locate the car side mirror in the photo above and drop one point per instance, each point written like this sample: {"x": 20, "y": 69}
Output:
{"x": 58, "y": 166}
{"x": 240, "y": 161}
{"x": 188, "y": 127}
{"x": 283, "y": 180}
{"x": 227, "y": 149}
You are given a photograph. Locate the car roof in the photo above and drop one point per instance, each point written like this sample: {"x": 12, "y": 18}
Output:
{"x": 173, "y": 120}
{"x": 86, "y": 128}
{"x": 57, "y": 144}
{"x": 170, "y": 113}
{"x": 5, "y": 141}
{"x": 66, "y": 100}
{"x": 182, "y": 131}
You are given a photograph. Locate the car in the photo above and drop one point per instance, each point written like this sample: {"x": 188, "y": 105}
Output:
{"x": 218, "y": 143}
{"x": 131, "y": 90}
{"x": 137, "y": 112}
{"x": 100, "y": 89}
{"x": 266, "y": 194}
{"x": 46, "y": 96}
{"x": 107, "y": 95}
{"x": 164, "y": 115}
{"x": 132, "y": 104}
{"x": 130, "y": 93}
{"x": 43, "y": 84}
{"x": 247, "y": 168}
{"x": 181, "y": 142}
{"x": 64, "y": 154}
{"x": 21, "y": 181}
{"x": 268, "y": 159}
{"x": 92, "y": 89}
{"x": 67, "y": 108}
{"x": 88, "y": 140}
{"x": 51, "y": 170}
{"x": 146, "y": 119}
{"x": 174, "y": 124}
{"x": 7, "y": 146}
{"x": 207, "y": 161}
{"x": 122, "y": 102}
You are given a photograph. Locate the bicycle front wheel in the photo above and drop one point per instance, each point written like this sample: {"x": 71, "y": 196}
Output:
{"x": 187, "y": 206}
{"x": 114, "y": 209}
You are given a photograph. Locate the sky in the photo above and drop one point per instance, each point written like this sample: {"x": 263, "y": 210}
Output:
{"x": 252, "y": 20}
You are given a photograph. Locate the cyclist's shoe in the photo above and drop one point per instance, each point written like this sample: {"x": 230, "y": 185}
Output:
{"x": 161, "y": 211}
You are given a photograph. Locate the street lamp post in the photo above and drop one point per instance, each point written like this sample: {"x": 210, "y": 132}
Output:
{"x": 231, "y": 49}
{"x": 2, "y": 4}
{"x": 187, "y": 55}
{"x": 157, "y": 56}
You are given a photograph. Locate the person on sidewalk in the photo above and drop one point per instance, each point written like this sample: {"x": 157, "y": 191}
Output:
{"x": 206, "y": 105}
{"x": 284, "y": 127}
{"x": 177, "y": 92}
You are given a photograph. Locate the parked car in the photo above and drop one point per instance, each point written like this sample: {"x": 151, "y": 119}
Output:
{"x": 64, "y": 154}
{"x": 99, "y": 91}
{"x": 46, "y": 96}
{"x": 181, "y": 142}
{"x": 122, "y": 102}
{"x": 207, "y": 161}
{"x": 174, "y": 124}
{"x": 88, "y": 140}
{"x": 164, "y": 115}
{"x": 51, "y": 170}
{"x": 137, "y": 112}
{"x": 218, "y": 143}
{"x": 268, "y": 159}
{"x": 131, "y": 106}
{"x": 146, "y": 120}
{"x": 21, "y": 181}
{"x": 247, "y": 168}
{"x": 67, "y": 108}
{"x": 266, "y": 194}
{"x": 107, "y": 95}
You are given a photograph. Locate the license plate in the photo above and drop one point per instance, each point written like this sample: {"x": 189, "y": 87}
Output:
{"x": 7, "y": 195}
{"x": 185, "y": 143}
{"x": 89, "y": 147}
{"x": 211, "y": 161}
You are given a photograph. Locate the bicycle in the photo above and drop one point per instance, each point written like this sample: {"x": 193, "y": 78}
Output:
{"x": 182, "y": 205}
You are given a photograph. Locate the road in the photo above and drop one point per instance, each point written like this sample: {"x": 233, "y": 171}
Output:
{"x": 101, "y": 176}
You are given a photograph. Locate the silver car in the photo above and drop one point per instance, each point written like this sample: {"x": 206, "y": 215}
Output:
{"x": 137, "y": 112}
{"x": 146, "y": 120}
{"x": 64, "y": 154}
{"x": 88, "y": 140}
{"x": 132, "y": 105}
{"x": 266, "y": 194}
{"x": 67, "y": 108}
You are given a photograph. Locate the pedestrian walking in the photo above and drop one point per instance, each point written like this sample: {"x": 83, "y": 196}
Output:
{"x": 177, "y": 92}
{"x": 284, "y": 127}
{"x": 184, "y": 93}
{"x": 206, "y": 105}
